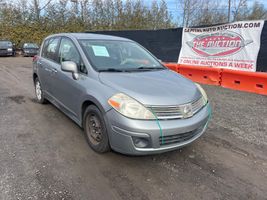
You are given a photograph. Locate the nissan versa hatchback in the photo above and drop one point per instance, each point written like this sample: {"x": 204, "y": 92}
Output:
{"x": 119, "y": 93}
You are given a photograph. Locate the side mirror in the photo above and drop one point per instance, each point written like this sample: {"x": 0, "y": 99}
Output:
{"x": 70, "y": 66}
{"x": 160, "y": 60}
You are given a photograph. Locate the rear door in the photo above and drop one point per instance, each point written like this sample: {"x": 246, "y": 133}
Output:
{"x": 46, "y": 63}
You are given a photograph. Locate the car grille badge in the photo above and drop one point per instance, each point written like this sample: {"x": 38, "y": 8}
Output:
{"x": 187, "y": 110}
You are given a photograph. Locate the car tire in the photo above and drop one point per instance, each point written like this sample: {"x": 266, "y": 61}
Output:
{"x": 95, "y": 130}
{"x": 39, "y": 92}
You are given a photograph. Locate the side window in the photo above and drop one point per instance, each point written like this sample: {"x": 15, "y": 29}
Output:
{"x": 50, "y": 49}
{"x": 68, "y": 52}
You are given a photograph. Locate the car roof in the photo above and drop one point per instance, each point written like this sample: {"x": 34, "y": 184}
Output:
{"x": 91, "y": 36}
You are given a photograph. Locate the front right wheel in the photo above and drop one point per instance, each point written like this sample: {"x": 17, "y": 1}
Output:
{"x": 95, "y": 130}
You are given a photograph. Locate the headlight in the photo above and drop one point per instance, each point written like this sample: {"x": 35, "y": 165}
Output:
{"x": 9, "y": 49}
{"x": 202, "y": 91}
{"x": 129, "y": 107}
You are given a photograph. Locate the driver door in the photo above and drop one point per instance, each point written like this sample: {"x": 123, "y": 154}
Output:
{"x": 66, "y": 89}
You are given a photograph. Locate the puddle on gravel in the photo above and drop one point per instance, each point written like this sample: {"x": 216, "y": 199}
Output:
{"x": 33, "y": 100}
{"x": 17, "y": 99}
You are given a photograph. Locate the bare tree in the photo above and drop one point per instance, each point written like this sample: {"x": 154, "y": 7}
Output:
{"x": 239, "y": 9}
{"x": 257, "y": 12}
{"x": 37, "y": 8}
{"x": 84, "y": 6}
{"x": 190, "y": 8}
{"x": 212, "y": 12}
{"x": 202, "y": 12}
{"x": 208, "y": 12}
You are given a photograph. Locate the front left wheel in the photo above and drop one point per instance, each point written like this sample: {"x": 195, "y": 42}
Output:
{"x": 95, "y": 130}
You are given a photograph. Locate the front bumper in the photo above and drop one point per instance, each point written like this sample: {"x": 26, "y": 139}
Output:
{"x": 121, "y": 131}
{"x": 6, "y": 53}
{"x": 29, "y": 53}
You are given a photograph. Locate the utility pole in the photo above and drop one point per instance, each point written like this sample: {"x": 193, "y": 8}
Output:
{"x": 229, "y": 10}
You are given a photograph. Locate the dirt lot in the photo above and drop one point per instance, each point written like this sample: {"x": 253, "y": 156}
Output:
{"x": 43, "y": 154}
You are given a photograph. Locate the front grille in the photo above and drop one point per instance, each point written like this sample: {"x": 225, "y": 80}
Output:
{"x": 3, "y": 51}
{"x": 176, "y": 112}
{"x": 178, "y": 138}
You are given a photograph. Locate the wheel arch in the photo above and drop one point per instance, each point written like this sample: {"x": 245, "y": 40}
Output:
{"x": 90, "y": 101}
{"x": 34, "y": 76}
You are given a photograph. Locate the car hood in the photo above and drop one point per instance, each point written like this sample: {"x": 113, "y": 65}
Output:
{"x": 162, "y": 87}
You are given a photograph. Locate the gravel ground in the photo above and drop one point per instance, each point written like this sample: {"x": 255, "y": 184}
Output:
{"x": 44, "y": 155}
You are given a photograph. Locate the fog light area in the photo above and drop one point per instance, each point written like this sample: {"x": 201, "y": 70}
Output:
{"x": 141, "y": 142}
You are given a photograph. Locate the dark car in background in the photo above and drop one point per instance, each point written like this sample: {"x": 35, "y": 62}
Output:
{"x": 30, "y": 49}
{"x": 7, "y": 48}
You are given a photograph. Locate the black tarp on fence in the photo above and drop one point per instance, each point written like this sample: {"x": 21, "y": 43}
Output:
{"x": 262, "y": 56}
{"x": 165, "y": 44}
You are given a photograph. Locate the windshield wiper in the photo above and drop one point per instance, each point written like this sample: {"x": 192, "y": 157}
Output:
{"x": 111, "y": 70}
{"x": 131, "y": 70}
{"x": 150, "y": 68}
{"x": 143, "y": 68}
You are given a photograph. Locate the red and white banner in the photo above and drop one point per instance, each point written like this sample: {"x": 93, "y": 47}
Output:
{"x": 233, "y": 46}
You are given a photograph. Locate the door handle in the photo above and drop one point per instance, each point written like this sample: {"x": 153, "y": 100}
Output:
{"x": 54, "y": 70}
{"x": 47, "y": 69}
{"x": 40, "y": 63}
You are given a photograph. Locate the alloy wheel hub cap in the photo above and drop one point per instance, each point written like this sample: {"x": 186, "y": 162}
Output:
{"x": 95, "y": 129}
{"x": 38, "y": 90}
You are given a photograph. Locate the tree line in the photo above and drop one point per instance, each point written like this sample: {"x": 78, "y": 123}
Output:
{"x": 22, "y": 20}
{"x": 208, "y": 12}
{"x": 32, "y": 20}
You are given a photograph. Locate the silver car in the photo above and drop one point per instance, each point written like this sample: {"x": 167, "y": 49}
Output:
{"x": 119, "y": 93}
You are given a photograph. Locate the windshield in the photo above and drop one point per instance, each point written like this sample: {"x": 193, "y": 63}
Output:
{"x": 5, "y": 44}
{"x": 106, "y": 55}
{"x": 30, "y": 45}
